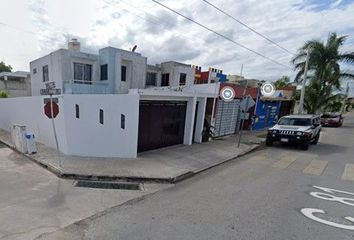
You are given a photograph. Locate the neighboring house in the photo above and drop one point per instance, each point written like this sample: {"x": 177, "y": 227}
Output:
{"x": 15, "y": 84}
{"x": 235, "y": 78}
{"x": 211, "y": 76}
{"x": 153, "y": 76}
{"x": 197, "y": 74}
{"x": 243, "y": 82}
{"x": 169, "y": 74}
{"x": 270, "y": 109}
{"x": 113, "y": 103}
{"x": 174, "y": 74}
{"x": 228, "y": 114}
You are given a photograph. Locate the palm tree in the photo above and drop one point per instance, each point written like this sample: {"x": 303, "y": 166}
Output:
{"x": 324, "y": 60}
{"x": 319, "y": 98}
{"x": 325, "y": 72}
{"x": 282, "y": 82}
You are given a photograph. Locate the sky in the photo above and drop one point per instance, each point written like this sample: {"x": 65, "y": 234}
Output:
{"x": 30, "y": 29}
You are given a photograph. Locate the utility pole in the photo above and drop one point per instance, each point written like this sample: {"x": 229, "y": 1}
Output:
{"x": 345, "y": 98}
{"x": 302, "y": 96}
{"x": 242, "y": 120}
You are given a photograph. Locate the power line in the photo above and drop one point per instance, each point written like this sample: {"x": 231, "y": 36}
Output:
{"x": 221, "y": 35}
{"x": 250, "y": 28}
{"x": 159, "y": 23}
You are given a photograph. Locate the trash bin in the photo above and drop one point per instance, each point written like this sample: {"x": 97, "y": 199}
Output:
{"x": 31, "y": 143}
{"x": 18, "y": 135}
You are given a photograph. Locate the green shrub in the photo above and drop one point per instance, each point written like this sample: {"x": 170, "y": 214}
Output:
{"x": 3, "y": 95}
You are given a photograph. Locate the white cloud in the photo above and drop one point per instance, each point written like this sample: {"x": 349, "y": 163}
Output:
{"x": 162, "y": 35}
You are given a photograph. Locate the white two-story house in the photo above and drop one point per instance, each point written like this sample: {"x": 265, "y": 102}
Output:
{"x": 113, "y": 104}
{"x": 112, "y": 71}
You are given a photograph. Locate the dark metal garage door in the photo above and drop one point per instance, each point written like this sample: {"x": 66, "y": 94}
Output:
{"x": 161, "y": 124}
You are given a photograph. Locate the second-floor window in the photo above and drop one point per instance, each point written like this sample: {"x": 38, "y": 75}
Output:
{"x": 151, "y": 79}
{"x": 104, "y": 72}
{"x": 182, "y": 79}
{"x": 123, "y": 74}
{"x": 165, "y": 80}
{"x": 45, "y": 71}
{"x": 82, "y": 73}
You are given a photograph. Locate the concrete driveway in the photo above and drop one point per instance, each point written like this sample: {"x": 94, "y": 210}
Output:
{"x": 34, "y": 201}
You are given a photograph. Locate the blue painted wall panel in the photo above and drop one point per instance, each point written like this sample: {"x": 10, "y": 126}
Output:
{"x": 266, "y": 114}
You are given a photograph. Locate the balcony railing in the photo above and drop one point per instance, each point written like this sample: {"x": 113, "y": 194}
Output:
{"x": 86, "y": 87}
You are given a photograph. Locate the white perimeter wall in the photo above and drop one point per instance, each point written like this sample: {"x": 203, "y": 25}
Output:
{"x": 87, "y": 137}
{"x": 28, "y": 111}
{"x": 84, "y": 136}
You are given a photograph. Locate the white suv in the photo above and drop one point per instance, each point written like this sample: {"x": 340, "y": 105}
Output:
{"x": 300, "y": 130}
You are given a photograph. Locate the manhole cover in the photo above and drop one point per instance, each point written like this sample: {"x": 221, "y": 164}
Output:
{"x": 108, "y": 185}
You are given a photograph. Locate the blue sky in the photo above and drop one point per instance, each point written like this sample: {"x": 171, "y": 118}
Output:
{"x": 33, "y": 28}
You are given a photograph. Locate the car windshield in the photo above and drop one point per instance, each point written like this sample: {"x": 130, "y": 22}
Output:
{"x": 295, "y": 121}
{"x": 329, "y": 116}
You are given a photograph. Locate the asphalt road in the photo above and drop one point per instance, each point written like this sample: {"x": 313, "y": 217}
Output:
{"x": 268, "y": 194}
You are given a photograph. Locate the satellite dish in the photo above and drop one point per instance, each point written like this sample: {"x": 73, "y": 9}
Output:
{"x": 134, "y": 48}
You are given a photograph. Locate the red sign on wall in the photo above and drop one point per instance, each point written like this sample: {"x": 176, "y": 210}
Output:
{"x": 48, "y": 111}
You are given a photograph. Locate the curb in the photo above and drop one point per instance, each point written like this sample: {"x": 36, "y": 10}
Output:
{"x": 91, "y": 177}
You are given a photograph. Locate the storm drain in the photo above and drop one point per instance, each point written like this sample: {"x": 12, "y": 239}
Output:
{"x": 108, "y": 185}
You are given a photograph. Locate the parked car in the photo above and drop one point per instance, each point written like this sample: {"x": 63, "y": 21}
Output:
{"x": 332, "y": 119}
{"x": 300, "y": 130}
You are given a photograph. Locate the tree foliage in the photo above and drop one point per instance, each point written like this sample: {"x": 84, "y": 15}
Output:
{"x": 282, "y": 82}
{"x": 324, "y": 71}
{"x": 324, "y": 60}
{"x": 4, "y": 67}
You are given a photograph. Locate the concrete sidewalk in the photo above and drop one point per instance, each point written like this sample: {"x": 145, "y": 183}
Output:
{"x": 168, "y": 165}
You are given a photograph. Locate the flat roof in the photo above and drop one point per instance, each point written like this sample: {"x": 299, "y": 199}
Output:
{"x": 178, "y": 63}
{"x": 18, "y": 74}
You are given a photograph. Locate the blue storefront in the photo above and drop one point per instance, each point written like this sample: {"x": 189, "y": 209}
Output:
{"x": 266, "y": 114}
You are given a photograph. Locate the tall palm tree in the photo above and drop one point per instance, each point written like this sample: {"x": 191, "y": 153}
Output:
{"x": 324, "y": 73}
{"x": 324, "y": 61}
{"x": 319, "y": 98}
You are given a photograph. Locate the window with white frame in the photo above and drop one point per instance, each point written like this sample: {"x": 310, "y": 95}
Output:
{"x": 82, "y": 73}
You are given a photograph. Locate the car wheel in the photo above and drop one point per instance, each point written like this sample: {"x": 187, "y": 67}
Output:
{"x": 269, "y": 142}
{"x": 305, "y": 145}
{"x": 316, "y": 138}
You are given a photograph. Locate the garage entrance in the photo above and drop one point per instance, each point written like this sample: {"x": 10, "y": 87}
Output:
{"x": 161, "y": 124}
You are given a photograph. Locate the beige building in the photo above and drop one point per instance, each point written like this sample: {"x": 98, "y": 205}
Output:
{"x": 242, "y": 81}
{"x": 15, "y": 84}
